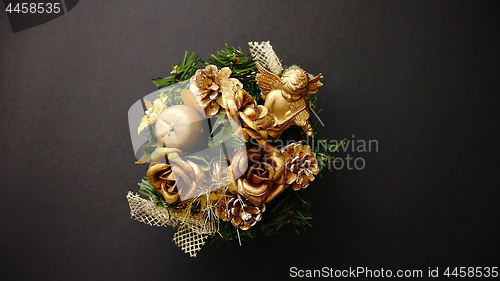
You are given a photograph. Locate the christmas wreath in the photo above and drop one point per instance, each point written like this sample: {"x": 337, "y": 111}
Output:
{"x": 227, "y": 144}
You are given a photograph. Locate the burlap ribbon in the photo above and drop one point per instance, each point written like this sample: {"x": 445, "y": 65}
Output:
{"x": 191, "y": 233}
{"x": 264, "y": 52}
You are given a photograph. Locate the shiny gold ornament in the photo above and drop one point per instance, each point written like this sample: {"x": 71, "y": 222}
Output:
{"x": 242, "y": 213}
{"x": 286, "y": 97}
{"x": 263, "y": 180}
{"x": 209, "y": 86}
{"x": 300, "y": 165}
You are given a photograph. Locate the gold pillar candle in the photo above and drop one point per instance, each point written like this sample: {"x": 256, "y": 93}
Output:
{"x": 180, "y": 126}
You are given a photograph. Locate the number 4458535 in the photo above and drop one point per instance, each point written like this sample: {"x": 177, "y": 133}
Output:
{"x": 471, "y": 272}
{"x": 34, "y": 8}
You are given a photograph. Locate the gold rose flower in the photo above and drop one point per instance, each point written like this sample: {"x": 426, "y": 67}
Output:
{"x": 178, "y": 181}
{"x": 255, "y": 119}
{"x": 263, "y": 180}
{"x": 161, "y": 177}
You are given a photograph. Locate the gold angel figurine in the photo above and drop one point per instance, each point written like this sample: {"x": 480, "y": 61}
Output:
{"x": 286, "y": 97}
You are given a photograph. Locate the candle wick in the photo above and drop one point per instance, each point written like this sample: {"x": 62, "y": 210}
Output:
{"x": 171, "y": 128}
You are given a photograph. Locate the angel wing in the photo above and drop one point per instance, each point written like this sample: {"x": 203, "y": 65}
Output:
{"x": 314, "y": 85}
{"x": 268, "y": 81}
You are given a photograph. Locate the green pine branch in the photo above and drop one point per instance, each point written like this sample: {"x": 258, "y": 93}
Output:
{"x": 242, "y": 67}
{"x": 290, "y": 210}
{"x": 181, "y": 71}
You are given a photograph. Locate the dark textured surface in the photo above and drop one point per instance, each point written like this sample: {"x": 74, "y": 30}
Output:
{"x": 421, "y": 77}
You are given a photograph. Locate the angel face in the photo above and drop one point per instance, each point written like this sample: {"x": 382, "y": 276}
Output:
{"x": 294, "y": 84}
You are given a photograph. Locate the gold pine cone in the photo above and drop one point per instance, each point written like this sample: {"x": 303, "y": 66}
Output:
{"x": 300, "y": 165}
{"x": 209, "y": 86}
{"x": 263, "y": 180}
{"x": 242, "y": 213}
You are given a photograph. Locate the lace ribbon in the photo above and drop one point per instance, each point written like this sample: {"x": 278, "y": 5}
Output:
{"x": 264, "y": 52}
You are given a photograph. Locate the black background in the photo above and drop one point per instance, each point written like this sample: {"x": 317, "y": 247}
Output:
{"x": 420, "y": 77}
